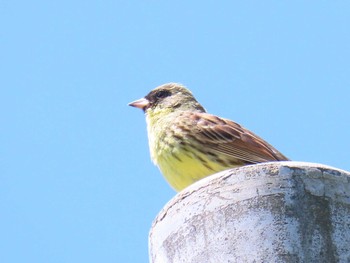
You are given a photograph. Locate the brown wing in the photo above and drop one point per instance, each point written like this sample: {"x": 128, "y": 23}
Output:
{"x": 227, "y": 137}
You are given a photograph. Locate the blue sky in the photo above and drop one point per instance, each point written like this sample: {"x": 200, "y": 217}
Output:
{"x": 77, "y": 183}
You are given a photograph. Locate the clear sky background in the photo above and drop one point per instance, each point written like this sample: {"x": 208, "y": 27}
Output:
{"x": 76, "y": 180}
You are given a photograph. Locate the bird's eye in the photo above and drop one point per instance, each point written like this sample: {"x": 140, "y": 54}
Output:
{"x": 162, "y": 94}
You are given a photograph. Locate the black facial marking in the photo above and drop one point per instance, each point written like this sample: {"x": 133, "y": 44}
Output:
{"x": 155, "y": 96}
{"x": 162, "y": 94}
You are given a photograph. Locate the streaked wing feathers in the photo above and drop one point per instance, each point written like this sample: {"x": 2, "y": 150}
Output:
{"x": 227, "y": 137}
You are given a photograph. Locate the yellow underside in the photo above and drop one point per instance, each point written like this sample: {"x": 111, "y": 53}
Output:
{"x": 189, "y": 169}
{"x": 179, "y": 165}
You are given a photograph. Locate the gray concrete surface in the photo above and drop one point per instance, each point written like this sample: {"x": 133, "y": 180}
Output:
{"x": 271, "y": 212}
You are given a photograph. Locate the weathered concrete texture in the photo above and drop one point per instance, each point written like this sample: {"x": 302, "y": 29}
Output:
{"x": 272, "y": 212}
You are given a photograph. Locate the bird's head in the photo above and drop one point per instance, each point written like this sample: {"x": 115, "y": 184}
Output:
{"x": 169, "y": 97}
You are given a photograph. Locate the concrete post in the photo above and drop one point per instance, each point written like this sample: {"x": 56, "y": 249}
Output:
{"x": 271, "y": 212}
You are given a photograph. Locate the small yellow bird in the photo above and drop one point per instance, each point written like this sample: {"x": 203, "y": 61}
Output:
{"x": 188, "y": 144}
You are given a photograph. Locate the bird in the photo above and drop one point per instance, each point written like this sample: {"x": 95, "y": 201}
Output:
{"x": 188, "y": 144}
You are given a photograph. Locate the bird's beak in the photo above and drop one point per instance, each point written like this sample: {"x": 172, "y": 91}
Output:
{"x": 141, "y": 104}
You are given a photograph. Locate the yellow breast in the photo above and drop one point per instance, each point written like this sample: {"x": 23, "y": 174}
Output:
{"x": 182, "y": 167}
{"x": 180, "y": 164}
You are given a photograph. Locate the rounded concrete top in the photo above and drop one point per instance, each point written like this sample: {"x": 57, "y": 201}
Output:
{"x": 270, "y": 212}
